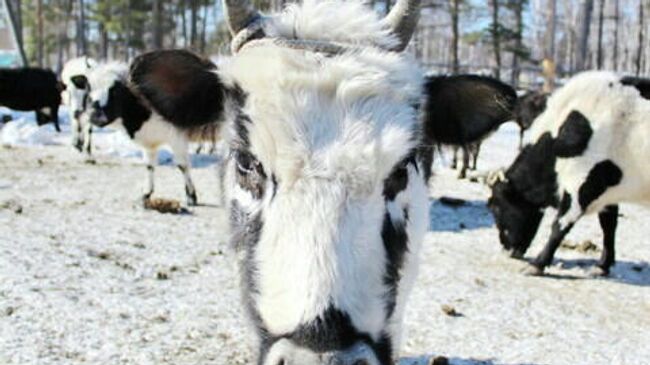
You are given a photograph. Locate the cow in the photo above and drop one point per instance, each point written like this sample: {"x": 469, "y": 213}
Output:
{"x": 28, "y": 89}
{"x": 462, "y": 110}
{"x": 74, "y": 77}
{"x": 529, "y": 106}
{"x": 588, "y": 155}
{"x": 114, "y": 103}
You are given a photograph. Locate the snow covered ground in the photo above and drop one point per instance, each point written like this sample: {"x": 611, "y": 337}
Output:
{"x": 89, "y": 277}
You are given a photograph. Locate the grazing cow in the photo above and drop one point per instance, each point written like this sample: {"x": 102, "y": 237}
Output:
{"x": 113, "y": 102}
{"x": 589, "y": 154}
{"x": 462, "y": 111}
{"x": 34, "y": 89}
{"x": 74, "y": 77}
{"x": 528, "y": 107}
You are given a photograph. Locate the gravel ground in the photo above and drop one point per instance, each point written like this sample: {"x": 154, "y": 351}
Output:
{"x": 89, "y": 277}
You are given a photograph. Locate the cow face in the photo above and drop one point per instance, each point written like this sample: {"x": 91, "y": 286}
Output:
{"x": 77, "y": 95}
{"x": 516, "y": 219}
{"x": 108, "y": 94}
{"x": 327, "y": 205}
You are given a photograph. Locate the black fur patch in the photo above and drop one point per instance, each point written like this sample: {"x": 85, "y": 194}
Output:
{"x": 463, "y": 109}
{"x": 574, "y": 136}
{"x": 533, "y": 173}
{"x": 602, "y": 176}
{"x": 31, "y": 89}
{"x": 79, "y": 81}
{"x": 179, "y": 85}
{"x": 396, "y": 245}
{"x": 122, "y": 103}
{"x": 334, "y": 331}
{"x": 641, "y": 84}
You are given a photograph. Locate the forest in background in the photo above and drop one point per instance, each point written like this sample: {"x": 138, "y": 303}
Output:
{"x": 519, "y": 41}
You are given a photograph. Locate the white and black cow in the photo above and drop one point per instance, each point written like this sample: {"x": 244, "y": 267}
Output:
{"x": 589, "y": 154}
{"x": 113, "y": 102}
{"x": 28, "y": 89}
{"x": 74, "y": 77}
{"x": 529, "y": 106}
{"x": 327, "y": 206}
{"x": 462, "y": 110}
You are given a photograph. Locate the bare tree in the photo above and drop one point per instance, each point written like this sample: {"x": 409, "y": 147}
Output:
{"x": 454, "y": 8}
{"x": 39, "y": 33}
{"x": 81, "y": 29}
{"x": 616, "y": 25}
{"x": 495, "y": 32}
{"x": 157, "y": 24}
{"x": 586, "y": 9}
{"x": 639, "y": 52}
{"x": 518, "y": 8}
{"x": 601, "y": 18}
{"x": 548, "y": 65}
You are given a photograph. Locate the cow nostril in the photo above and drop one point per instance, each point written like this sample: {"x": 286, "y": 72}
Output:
{"x": 281, "y": 362}
{"x": 361, "y": 362}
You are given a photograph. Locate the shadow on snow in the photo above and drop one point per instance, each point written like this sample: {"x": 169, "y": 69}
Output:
{"x": 468, "y": 216}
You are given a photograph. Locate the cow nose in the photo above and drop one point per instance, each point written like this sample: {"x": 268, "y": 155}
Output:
{"x": 95, "y": 105}
{"x": 77, "y": 114}
{"x": 286, "y": 352}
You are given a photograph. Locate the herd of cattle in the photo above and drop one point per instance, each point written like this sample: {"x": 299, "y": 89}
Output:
{"x": 331, "y": 131}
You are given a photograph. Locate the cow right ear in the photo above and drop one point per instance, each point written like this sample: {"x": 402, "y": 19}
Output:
{"x": 181, "y": 86}
{"x": 79, "y": 81}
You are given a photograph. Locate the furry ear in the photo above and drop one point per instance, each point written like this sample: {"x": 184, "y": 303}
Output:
{"x": 641, "y": 84}
{"x": 80, "y": 81}
{"x": 181, "y": 86}
{"x": 461, "y": 109}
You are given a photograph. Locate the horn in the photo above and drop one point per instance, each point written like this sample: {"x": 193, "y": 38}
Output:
{"x": 494, "y": 177}
{"x": 402, "y": 20}
{"x": 239, "y": 14}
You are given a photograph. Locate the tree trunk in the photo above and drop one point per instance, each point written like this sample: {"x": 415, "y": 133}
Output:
{"x": 601, "y": 18}
{"x": 204, "y": 26}
{"x": 193, "y": 26}
{"x": 519, "y": 46}
{"x": 496, "y": 38}
{"x": 639, "y": 51}
{"x": 455, "y": 5}
{"x": 127, "y": 32}
{"x": 157, "y": 24}
{"x": 39, "y": 33}
{"x": 586, "y": 8}
{"x": 616, "y": 24}
{"x": 182, "y": 10}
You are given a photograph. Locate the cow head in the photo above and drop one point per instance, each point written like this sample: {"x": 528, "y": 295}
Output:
{"x": 108, "y": 93}
{"x": 327, "y": 205}
{"x": 521, "y": 194}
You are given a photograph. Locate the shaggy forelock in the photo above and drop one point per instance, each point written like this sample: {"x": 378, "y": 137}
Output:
{"x": 104, "y": 76}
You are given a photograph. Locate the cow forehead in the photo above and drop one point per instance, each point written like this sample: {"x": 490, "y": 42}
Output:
{"x": 350, "y": 115}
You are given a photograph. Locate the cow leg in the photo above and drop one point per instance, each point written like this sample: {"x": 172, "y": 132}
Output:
{"x": 425, "y": 156}
{"x": 222, "y": 180}
{"x": 87, "y": 140}
{"x": 463, "y": 169}
{"x": 75, "y": 129}
{"x": 55, "y": 117}
{"x": 476, "y": 148}
{"x": 521, "y": 138}
{"x": 608, "y": 219}
{"x": 182, "y": 158}
{"x": 151, "y": 157}
{"x": 454, "y": 160}
{"x": 564, "y": 222}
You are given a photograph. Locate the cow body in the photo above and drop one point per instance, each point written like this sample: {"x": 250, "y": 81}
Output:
{"x": 115, "y": 104}
{"x": 74, "y": 77}
{"x": 461, "y": 111}
{"x": 589, "y": 154}
{"x": 28, "y": 89}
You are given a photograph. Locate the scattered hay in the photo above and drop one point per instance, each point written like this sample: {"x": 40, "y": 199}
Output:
{"x": 12, "y": 205}
{"x": 164, "y": 205}
{"x": 584, "y": 246}
{"x": 450, "y": 311}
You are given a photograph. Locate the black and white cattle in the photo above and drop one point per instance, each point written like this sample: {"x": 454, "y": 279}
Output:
{"x": 74, "y": 77}
{"x": 327, "y": 206}
{"x": 529, "y": 106}
{"x": 589, "y": 154}
{"x": 114, "y": 102}
{"x": 28, "y": 89}
{"x": 461, "y": 111}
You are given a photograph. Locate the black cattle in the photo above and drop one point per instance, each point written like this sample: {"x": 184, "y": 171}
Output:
{"x": 528, "y": 107}
{"x": 461, "y": 111}
{"x": 36, "y": 89}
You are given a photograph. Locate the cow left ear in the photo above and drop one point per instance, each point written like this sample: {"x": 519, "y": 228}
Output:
{"x": 181, "y": 86}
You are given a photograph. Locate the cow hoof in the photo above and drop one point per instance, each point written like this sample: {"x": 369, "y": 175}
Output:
{"x": 192, "y": 201}
{"x": 532, "y": 270}
{"x": 598, "y": 272}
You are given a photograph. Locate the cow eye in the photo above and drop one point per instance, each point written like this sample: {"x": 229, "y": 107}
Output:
{"x": 245, "y": 162}
{"x": 250, "y": 173}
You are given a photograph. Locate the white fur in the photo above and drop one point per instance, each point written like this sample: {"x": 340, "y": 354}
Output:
{"x": 74, "y": 97}
{"x": 330, "y": 129}
{"x": 103, "y": 77}
{"x": 619, "y": 117}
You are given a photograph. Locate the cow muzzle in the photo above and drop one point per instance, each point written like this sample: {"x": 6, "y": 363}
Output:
{"x": 284, "y": 352}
